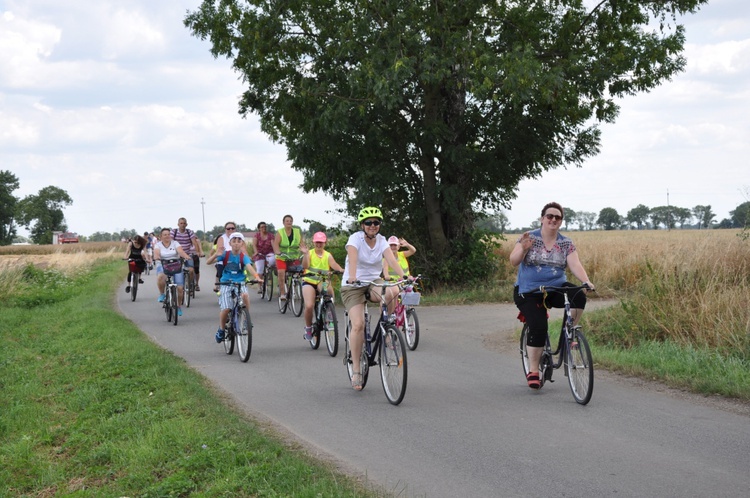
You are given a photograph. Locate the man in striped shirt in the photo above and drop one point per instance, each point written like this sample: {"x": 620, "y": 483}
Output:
{"x": 191, "y": 245}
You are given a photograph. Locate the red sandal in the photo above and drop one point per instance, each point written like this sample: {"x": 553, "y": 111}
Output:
{"x": 532, "y": 378}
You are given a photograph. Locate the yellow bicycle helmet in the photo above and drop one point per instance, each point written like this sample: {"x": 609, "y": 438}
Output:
{"x": 369, "y": 212}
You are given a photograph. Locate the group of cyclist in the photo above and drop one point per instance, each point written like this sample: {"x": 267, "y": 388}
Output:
{"x": 542, "y": 256}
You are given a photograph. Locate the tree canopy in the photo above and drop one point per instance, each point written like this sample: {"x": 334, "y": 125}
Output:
{"x": 436, "y": 110}
{"x": 8, "y": 184}
{"x": 44, "y": 212}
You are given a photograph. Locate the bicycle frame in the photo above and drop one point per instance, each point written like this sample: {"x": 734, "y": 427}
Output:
{"x": 572, "y": 351}
{"x": 384, "y": 346}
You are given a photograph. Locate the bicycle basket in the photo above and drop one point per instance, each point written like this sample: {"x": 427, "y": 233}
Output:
{"x": 172, "y": 266}
{"x": 134, "y": 267}
{"x": 411, "y": 298}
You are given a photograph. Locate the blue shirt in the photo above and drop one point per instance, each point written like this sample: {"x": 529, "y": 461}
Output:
{"x": 232, "y": 271}
{"x": 541, "y": 266}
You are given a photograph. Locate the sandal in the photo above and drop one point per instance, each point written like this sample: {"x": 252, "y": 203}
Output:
{"x": 532, "y": 379}
{"x": 357, "y": 381}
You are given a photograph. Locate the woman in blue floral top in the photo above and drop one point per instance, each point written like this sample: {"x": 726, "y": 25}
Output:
{"x": 542, "y": 255}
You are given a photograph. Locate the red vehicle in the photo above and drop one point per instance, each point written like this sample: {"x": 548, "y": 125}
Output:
{"x": 68, "y": 238}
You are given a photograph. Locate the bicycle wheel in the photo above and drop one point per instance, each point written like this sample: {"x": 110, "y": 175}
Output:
{"x": 188, "y": 289}
{"x": 244, "y": 328}
{"x": 579, "y": 367}
{"x": 297, "y": 300}
{"x": 315, "y": 341}
{"x": 267, "y": 285}
{"x": 411, "y": 329}
{"x": 167, "y": 307}
{"x": 522, "y": 348}
{"x": 228, "y": 341}
{"x": 173, "y": 298}
{"x": 331, "y": 328}
{"x": 393, "y": 363}
{"x": 134, "y": 286}
{"x": 364, "y": 366}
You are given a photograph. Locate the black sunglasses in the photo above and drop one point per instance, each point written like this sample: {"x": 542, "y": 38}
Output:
{"x": 229, "y": 228}
{"x": 371, "y": 223}
{"x": 553, "y": 217}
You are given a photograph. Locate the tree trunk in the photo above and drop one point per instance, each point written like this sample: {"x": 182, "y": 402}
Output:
{"x": 438, "y": 240}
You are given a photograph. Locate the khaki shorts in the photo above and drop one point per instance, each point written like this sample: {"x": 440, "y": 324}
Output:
{"x": 352, "y": 296}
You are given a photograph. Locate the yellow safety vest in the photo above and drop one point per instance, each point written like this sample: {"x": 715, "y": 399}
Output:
{"x": 318, "y": 263}
{"x": 292, "y": 249}
{"x": 402, "y": 263}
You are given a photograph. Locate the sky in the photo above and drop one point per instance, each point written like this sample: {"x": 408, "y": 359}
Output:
{"x": 116, "y": 103}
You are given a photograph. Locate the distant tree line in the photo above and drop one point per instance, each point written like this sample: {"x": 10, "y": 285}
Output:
{"x": 41, "y": 213}
{"x": 643, "y": 217}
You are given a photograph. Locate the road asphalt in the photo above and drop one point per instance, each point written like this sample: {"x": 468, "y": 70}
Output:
{"x": 468, "y": 426}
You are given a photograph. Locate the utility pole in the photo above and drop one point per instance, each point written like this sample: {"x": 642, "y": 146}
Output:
{"x": 203, "y": 211}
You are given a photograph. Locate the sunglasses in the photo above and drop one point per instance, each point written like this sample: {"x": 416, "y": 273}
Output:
{"x": 229, "y": 228}
{"x": 369, "y": 223}
{"x": 553, "y": 217}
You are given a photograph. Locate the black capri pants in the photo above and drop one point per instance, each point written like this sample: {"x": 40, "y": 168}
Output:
{"x": 530, "y": 305}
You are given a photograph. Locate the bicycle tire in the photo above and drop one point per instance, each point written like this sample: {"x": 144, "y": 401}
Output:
{"x": 331, "y": 328}
{"x": 411, "y": 329}
{"x": 268, "y": 286}
{"x": 393, "y": 364}
{"x": 244, "y": 335}
{"x": 315, "y": 340}
{"x": 524, "y": 352}
{"x": 579, "y": 367}
{"x": 297, "y": 299}
{"x": 228, "y": 341}
{"x": 175, "y": 306}
{"x": 283, "y": 304}
{"x": 167, "y": 307}
{"x": 186, "y": 293}
{"x": 134, "y": 286}
{"x": 364, "y": 365}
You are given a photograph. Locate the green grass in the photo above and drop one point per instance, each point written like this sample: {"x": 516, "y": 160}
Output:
{"x": 90, "y": 407}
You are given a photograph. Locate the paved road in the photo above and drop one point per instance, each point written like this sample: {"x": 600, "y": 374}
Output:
{"x": 468, "y": 425}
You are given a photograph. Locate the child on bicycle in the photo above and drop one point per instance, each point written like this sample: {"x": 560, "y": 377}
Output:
{"x": 236, "y": 265}
{"x": 317, "y": 259}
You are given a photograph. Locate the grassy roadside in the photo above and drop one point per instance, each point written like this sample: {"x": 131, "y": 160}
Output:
{"x": 91, "y": 407}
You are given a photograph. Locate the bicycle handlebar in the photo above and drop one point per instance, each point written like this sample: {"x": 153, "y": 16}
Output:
{"x": 552, "y": 288}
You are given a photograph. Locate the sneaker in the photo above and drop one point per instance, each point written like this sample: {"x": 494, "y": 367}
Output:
{"x": 179, "y": 311}
{"x": 308, "y": 333}
{"x": 127, "y": 289}
{"x": 219, "y": 336}
{"x": 140, "y": 280}
{"x": 197, "y": 288}
{"x": 162, "y": 297}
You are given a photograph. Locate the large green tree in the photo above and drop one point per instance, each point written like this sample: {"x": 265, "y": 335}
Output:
{"x": 639, "y": 215}
{"x": 741, "y": 215}
{"x": 8, "y": 184}
{"x": 43, "y": 213}
{"x": 609, "y": 219}
{"x": 435, "y": 110}
{"x": 704, "y": 215}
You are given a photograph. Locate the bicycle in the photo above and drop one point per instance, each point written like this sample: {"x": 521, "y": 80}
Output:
{"x": 406, "y": 316}
{"x": 171, "y": 267}
{"x": 573, "y": 352}
{"x": 293, "y": 293}
{"x": 386, "y": 348}
{"x": 189, "y": 287}
{"x": 238, "y": 327}
{"x": 266, "y": 285}
{"x": 325, "y": 313}
{"x": 135, "y": 275}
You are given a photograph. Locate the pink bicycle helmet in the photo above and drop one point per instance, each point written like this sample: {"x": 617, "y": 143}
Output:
{"x": 319, "y": 237}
